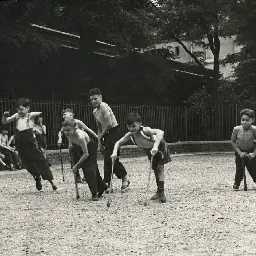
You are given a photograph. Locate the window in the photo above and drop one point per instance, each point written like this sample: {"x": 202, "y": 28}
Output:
{"x": 177, "y": 51}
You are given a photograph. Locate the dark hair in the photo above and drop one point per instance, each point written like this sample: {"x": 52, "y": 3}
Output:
{"x": 248, "y": 112}
{"x": 3, "y": 128}
{"x": 133, "y": 117}
{"x": 22, "y": 102}
{"x": 68, "y": 110}
{"x": 95, "y": 91}
{"x": 37, "y": 118}
{"x": 69, "y": 123}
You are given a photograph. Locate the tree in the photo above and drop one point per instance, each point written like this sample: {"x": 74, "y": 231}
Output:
{"x": 195, "y": 21}
{"x": 245, "y": 71}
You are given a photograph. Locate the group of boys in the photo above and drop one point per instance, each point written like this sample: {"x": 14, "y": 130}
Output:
{"x": 83, "y": 150}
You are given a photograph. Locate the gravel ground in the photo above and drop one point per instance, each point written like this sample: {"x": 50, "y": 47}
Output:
{"x": 203, "y": 216}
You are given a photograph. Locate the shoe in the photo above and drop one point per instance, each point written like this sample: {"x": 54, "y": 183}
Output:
{"x": 78, "y": 180}
{"x": 107, "y": 191}
{"x": 125, "y": 187}
{"x": 95, "y": 198}
{"x": 102, "y": 190}
{"x": 235, "y": 186}
{"x": 84, "y": 179}
{"x": 38, "y": 183}
{"x": 18, "y": 167}
{"x": 10, "y": 168}
{"x": 162, "y": 197}
{"x": 54, "y": 188}
{"x": 156, "y": 196}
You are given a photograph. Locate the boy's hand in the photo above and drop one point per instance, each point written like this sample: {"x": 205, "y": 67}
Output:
{"x": 114, "y": 156}
{"x": 75, "y": 169}
{"x": 59, "y": 142}
{"x": 6, "y": 114}
{"x": 243, "y": 154}
{"x": 153, "y": 151}
{"x": 251, "y": 155}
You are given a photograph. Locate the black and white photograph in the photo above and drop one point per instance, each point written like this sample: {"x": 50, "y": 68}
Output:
{"x": 127, "y": 127}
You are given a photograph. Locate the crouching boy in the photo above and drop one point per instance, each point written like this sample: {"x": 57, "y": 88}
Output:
{"x": 153, "y": 143}
{"x": 84, "y": 155}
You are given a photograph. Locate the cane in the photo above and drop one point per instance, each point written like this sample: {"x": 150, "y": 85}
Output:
{"x": 149, "y": 176}
{"x": 243, "y": 168}
{"x": 111, "y": 184}
{"x": 61, "y": 162}
{"x": 76, "y": 185}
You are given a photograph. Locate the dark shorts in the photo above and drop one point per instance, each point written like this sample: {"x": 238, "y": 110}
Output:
{"x": 162, "y": 157}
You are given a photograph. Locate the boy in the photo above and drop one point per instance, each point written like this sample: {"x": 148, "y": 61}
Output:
{"x": 8, "y": 152}
{"x": 242, "y": 141}
{"x": 84, "y": 155}
{"x": 68, "y": 114}
{"x": 152, "y": 141}
{"x": 108, "y": 134}
{"x": 26, "y": 145}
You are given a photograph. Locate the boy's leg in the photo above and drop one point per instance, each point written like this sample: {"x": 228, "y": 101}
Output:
{"x": 156, "y": 196}
{"x": 160, "y": 172}
{"x": 239, "y": 171}
{"x": 251, "y": 165}
{"x": 102, "y": 186}
{"x": 110, "y": 139}
{"x": 75, "y": 155}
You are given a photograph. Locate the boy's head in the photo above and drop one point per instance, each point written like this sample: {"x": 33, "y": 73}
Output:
{"x": 4, "y": 130}
{"x": 23, "y": 106}
{"x": 247, "y": 117}
{"x": 39, "y": 119}
{"x": 69, "y": 127}
{"x": 68, "y": 114}
{"x": 95, "y": 97}
{"x": 133, "y": 122}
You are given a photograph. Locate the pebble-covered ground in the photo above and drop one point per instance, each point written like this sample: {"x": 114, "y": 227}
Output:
{"x": 203, "y": 216}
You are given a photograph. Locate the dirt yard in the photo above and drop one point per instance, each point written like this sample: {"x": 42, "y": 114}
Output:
{"x": 203, "y": 216}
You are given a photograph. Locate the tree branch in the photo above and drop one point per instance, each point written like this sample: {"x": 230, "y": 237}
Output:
{"x": 187, "y": 50}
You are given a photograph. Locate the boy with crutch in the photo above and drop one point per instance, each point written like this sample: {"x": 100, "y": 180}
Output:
{"x": 153, "y": 143}
{"x": 242, "y": 140}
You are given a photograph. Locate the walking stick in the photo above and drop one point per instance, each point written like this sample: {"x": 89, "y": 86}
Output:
{"x": 76, "y": 185}
{"x": 111, "y": 183}
{"x": 244, "y": 174}
{"x": 149, "y": 176}
{"x": 61, "y": 162}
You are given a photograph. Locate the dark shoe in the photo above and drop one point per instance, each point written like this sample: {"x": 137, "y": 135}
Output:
{"x": 18, "y": 167}
{"x": 10, "y": 168}
{"x": 54, "y": 188}
{"x": 125, "y": 187}
{"x": 236, "y": 186}
{"x": 95, "y": 198}
{"x": 38, "y": 183}
{"x": 162, "y": 197}
{"x": 107, "y": 191}
{"x": 156, "y": 196}
{"x": 102, "y": 189}
{"x": 78, "y": 180}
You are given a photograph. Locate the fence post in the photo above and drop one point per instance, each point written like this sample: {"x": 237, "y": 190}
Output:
{"x": 186, "y": 124}
{"x": 236, "y": 114}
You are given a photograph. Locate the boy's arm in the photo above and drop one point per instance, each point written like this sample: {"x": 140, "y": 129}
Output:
{"x": 233, "y": 141}
{"x": 81, "y": 124}
{"x": 119, "y": 143}
{"x": 85, "y": 155}
{"x": 44, "y": 129}
{"x": 6, "y": 119}
{"x": 10, "y": 140}
{"x": 159, "y": 137}
{"x": 106, "y": 115}
{"x": 34, "y": 114}
{"x": 60, "y": 137}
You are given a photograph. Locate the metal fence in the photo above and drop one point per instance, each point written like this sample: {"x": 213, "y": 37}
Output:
{"x": 178, "y": 122}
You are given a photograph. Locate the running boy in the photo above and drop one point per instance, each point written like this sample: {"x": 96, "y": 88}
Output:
{"x": 108, "y": 134}
{"x": 68, "y": 114}
{"x": 26, "y": 145}
{"x": 84, "y": 155}
{"x": 152, "y": 141}
{"x": 242, "y": 141}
